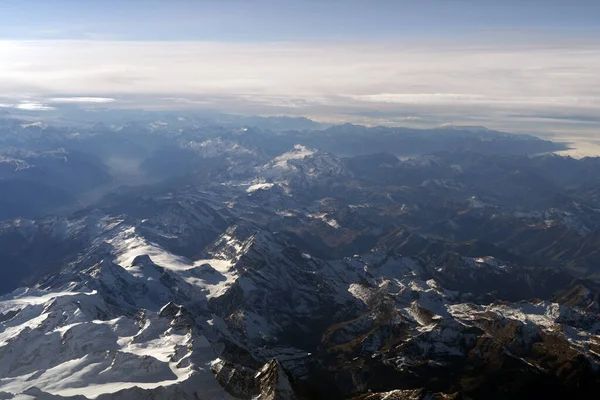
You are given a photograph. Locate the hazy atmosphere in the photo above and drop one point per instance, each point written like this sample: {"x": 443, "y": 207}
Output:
{"x": 525, "y": 66}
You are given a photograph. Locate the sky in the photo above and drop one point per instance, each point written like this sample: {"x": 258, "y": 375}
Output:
{"x": 527, "y": 65}
{"x": 296, "y": 20}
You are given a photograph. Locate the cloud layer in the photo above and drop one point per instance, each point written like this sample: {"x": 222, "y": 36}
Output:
{"x": 436, "y": 82}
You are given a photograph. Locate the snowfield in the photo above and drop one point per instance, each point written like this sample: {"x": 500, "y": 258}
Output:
{"x": 54, "y": 343}
{"x": 92, "y": 342}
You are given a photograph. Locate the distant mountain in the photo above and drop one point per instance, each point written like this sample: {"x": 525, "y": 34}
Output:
{"x": 352, "y": 140}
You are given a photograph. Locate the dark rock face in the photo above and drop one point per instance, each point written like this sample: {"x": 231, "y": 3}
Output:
{"x": 239, "y": 381}
{"x": 274, "y": 383}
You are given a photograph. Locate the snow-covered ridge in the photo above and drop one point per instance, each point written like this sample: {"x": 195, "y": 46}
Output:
{"x": 299, "y": 152}
{"x": 73, "y": 343}
{"x": 102, "y": 328}
{"x": 132, "y": 313}
{"x": 259, "y": 186}
{"x": 218, "y": 147}
{"x": 301, "y": 168}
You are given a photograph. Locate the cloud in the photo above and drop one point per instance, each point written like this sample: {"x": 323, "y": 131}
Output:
{"x": 431, "y": 81}
{"x": 182, "y": 100}
{"x": 31, "y": 106}
{"x": 445, "y": 98}
{"x": 81, "y": 100}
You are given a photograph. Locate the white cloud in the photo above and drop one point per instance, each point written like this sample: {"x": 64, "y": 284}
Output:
{"x": 81, "y": 100}
{"x": 437, "y": 79}
{"x": 297, "y": 70}
{"x": 32, "y": 106}
{"x": 183, "y": 100}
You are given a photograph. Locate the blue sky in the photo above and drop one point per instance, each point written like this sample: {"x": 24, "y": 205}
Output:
{"x": 297, "y": 20}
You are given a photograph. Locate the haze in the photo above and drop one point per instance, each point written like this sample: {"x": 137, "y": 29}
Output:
{"x": 519, "y": 66}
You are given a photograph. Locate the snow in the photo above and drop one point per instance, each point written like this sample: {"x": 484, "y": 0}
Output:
{"x": 217, "y": 147}
{"x": 553, "y": 216}
{"x": 211, "y": 276}
{"x": 543, "y": 314}
{"x": 355, "y": 206}
{"x": 69, "y": 342}
{"x": 259, "y": 186}
{"x": 214, "y": 283}
{"x": 488, "y": 261}
{"x": 333, "y": 223}
{"x": 286, "y": 213}
{"x": 69, "y": 354}
{"x": 299, "y": 152}
{"x": 301, "y": 167}
{"x": 323, "y": 217}
{"x": 257, "y": 326}
{"x": 128, "y": 246}
{"x": 21, "y": 298}
{"x": 360, "y": 292}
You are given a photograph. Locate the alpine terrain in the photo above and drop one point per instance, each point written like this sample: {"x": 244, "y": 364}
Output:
{"x": 171, "y": 256}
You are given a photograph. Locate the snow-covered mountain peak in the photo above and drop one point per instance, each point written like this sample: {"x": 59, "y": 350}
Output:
{"x": 299, "y": 152}
{"x": 302, "y": 167}
{"x": 219, "y": 147}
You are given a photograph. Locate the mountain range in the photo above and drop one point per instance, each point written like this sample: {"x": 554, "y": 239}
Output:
{"x": 176, "y": 258}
